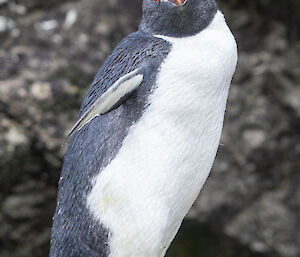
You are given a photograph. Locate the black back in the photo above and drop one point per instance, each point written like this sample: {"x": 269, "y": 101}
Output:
{"x": 75, "y": 232}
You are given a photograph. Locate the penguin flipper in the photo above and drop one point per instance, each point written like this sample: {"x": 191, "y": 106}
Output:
{"x": 112, "y": 98}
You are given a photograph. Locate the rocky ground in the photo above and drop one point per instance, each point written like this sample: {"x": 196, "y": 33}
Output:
{"x": 49, "y": 53}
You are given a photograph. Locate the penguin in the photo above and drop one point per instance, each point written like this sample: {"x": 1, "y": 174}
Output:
{"x": 146, "y": 135}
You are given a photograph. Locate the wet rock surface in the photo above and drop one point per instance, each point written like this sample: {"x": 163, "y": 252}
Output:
{"x": 49, "y": 53}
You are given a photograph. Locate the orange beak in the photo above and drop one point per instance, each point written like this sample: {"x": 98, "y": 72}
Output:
{"x": 175, "y": 2}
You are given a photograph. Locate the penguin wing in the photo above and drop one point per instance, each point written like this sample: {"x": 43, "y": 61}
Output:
{"x": 112, "y": 98}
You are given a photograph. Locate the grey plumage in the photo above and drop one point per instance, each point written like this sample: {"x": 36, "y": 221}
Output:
{"x": 74, "y": 231}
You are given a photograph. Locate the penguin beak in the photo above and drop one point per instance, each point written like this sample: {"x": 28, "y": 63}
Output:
{"x": 177, "y": 2}
{"x": 174, "y": 2}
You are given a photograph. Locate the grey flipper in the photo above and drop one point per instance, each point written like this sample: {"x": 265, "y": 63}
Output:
{"x": 117, "y": 94}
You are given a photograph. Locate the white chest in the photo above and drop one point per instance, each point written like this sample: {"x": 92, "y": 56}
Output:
{"x": 143, "y": 195}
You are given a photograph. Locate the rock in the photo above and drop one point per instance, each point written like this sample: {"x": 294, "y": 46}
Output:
{"x": 71, "y": 18}
{"x": 6, "y": 24}
{"x": 48, "y": 25}
{"x": 2, "y": 2}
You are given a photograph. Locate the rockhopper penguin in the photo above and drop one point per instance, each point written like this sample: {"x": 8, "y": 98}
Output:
{"x": 147, "y": 134}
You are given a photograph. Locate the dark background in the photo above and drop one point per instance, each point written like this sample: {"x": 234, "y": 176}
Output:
{"x": 49, "y": 53}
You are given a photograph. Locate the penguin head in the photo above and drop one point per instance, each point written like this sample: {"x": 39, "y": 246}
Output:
{"x": 177, "y": 18}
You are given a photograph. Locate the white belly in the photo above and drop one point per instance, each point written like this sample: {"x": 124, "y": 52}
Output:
{"x": 143, "y": 195}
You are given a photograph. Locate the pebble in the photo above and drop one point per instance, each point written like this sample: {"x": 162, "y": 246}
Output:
{"x": 6, "y": 24}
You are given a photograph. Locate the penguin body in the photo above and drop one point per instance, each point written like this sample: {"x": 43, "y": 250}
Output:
{"x": 75, "y": 231}
{"x": 165, "y": 158}
{"x": 131, "y": 175}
